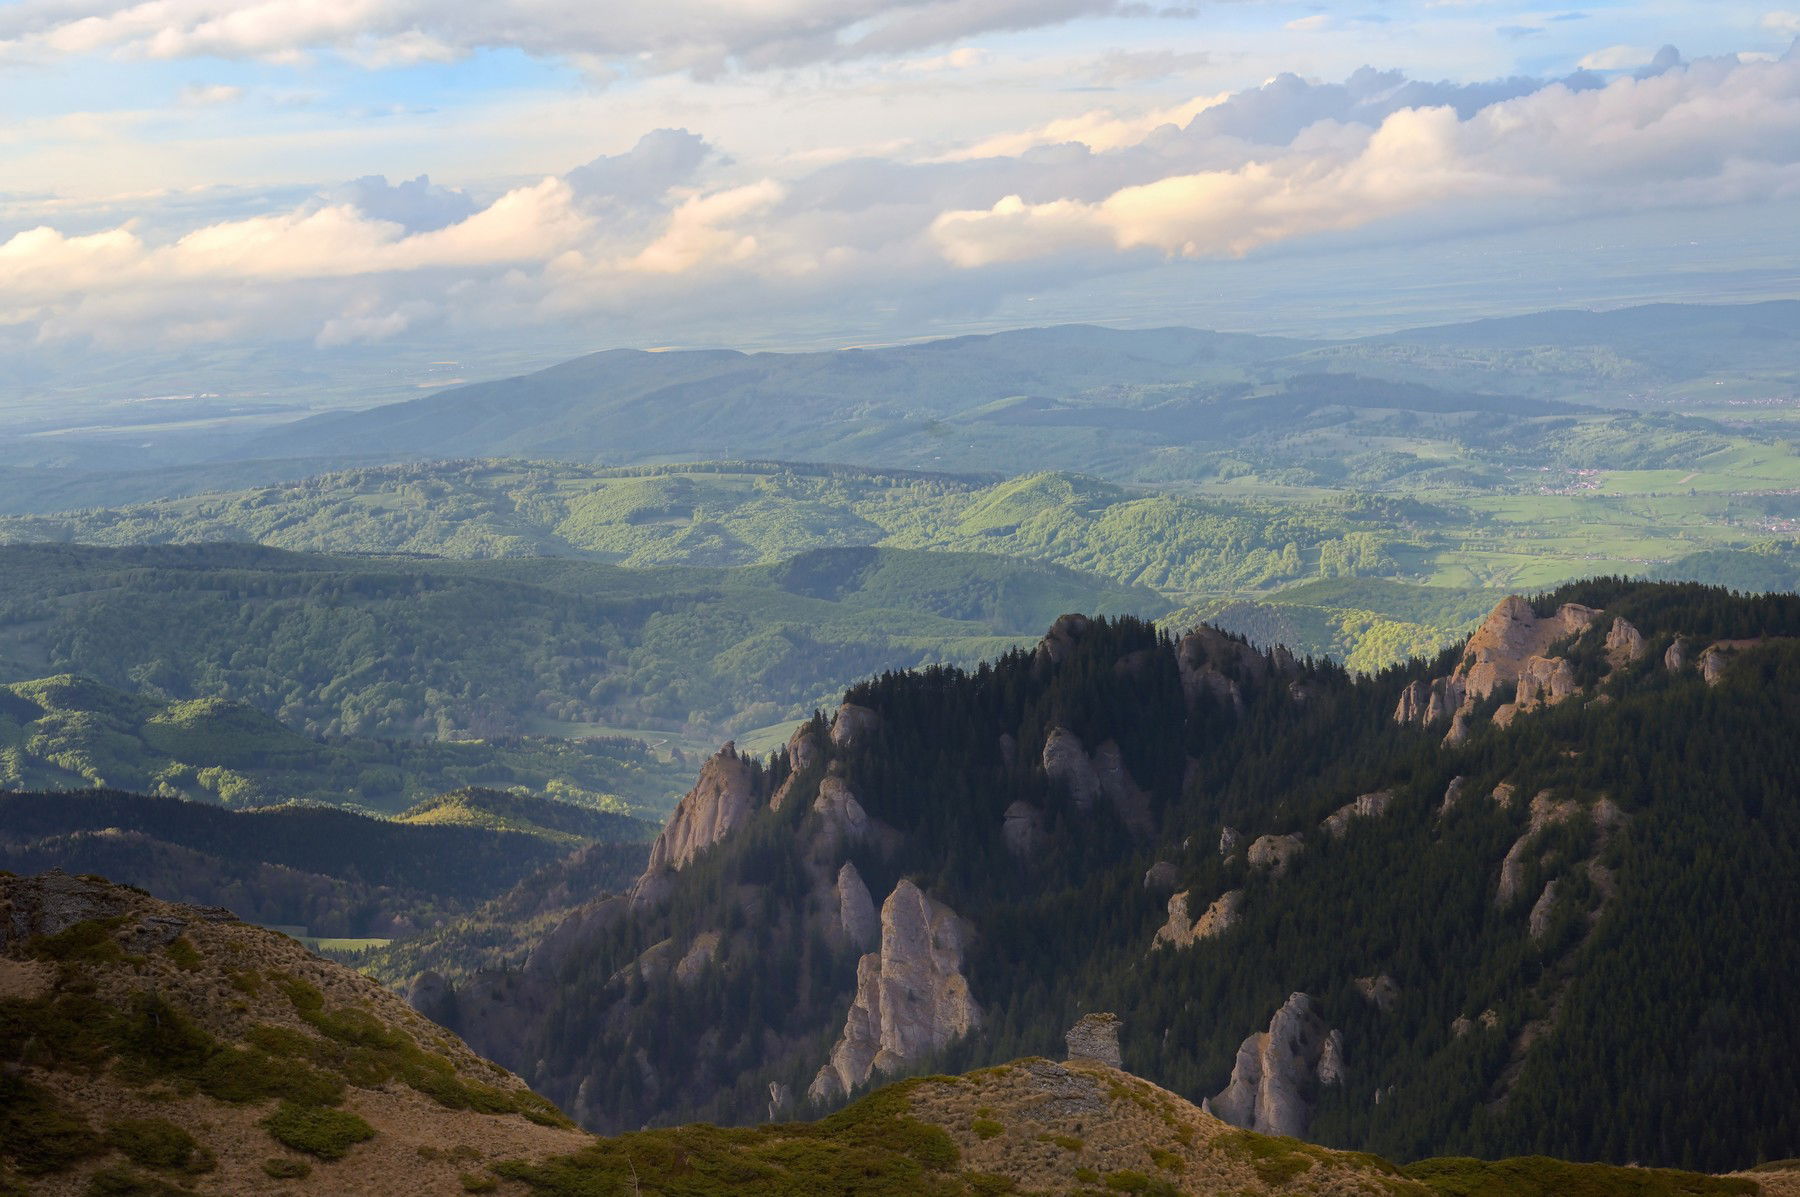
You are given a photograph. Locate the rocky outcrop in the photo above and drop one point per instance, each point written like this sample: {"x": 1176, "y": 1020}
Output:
{"x": 1057, "y": 643}
{"x": 1066, "y": 764}
{"x": 853, "y": 724}
{"x": 1675, "y": 659}
{"x": 856, "y": 909}
{"x": 842, "y": 821}
{"x": 1506, "y": 653}
{"x": 1538, "y": 921}
{"x": 1095, "y": 1037}
{"x": 1278, "y": 1071}
{"x": 1453, "y": 794}
{"x": 911, "y": 996}
{"x": 1162, "y": 877}
{"x": 1229, "y": 840}
{"x": 720, "y": 802}
{"x": 1546, "y": 811}
{"x": 702, "y": 952}
{"x": 1543, "y": 682}
{"x": 1213, "y": 664}
{"x": 1718, "y": 655}
{"x": 1624, "y": 644}
{"x": 1087, "y": 779}
{"x": 1022, "y": 830}
{"x": 1380, "y": 991}
{"x": 1364, "y": 806}
{"x": 804, "y": 752}
{"x": 1181, "y": 930}
{"x": 1275, "y": 853}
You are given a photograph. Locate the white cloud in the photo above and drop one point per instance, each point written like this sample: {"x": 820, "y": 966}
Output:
{"x": 1098, "y": 129}
{"x": 208, "y": 95}
{"x": 670, "y": 227}
{"x": 704, "y": 37}
{"x": 1616, "y": 58}
{"x": 1782, "y": 23}
{"x": 1318, "y": 20}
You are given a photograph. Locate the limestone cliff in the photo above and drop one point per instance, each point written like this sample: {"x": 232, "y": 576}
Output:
{"x": 721, "y": 801}
{"x": 1279, "y": 1070}
{"x": 911, "y": 996}
{"x": 1505, "y": 655}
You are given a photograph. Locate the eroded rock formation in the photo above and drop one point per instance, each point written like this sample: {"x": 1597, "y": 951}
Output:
{"x": 1278, "y": 1070}
{"x": 911, "y": 996}
{"x": 1095, "y": 1037}
{"x": 1506, "y": 653}
{"x": 720, "y": 802}
{"x": 1181, "y": 929}
{"x": 1364, "y": 806}
{"x": 1275, "y": 852}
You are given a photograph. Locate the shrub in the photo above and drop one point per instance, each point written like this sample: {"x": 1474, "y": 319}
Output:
{"x": 158, "y": 1143}
{"x": 326, "y": 1133}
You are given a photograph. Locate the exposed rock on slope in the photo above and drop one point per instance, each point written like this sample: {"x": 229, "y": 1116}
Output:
{"x": 1278, "y": 1071}
{"x": 720, "y": 802}
{"x": 1364, "y": 806}
{"x": 1095, "y": 1037}
{"x": 1506, "y": 653}
{"x": 1089, "y": 778}
{"x": 1182, "y": 930}
{"x": 1275, "y": 852}
{"x": 911, "y": 996}
{"x": 241, "y": 1054}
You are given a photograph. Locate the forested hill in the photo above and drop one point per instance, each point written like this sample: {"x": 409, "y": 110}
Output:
{"x": 630, "y": 404}
{"x": 334, "y": 873}
{"x": 413, "y": 647}
{"x": 1533, "y": 896}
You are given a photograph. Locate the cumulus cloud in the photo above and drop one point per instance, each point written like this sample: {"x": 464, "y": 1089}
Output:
{"x": 703, "y": 37}
{"x": 669, "y": 228}
{"x": 1715, "y": 132}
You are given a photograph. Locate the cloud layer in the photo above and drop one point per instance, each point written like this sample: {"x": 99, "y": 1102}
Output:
{"x": 673, "y": 227}
{"x": 704, "y": 37}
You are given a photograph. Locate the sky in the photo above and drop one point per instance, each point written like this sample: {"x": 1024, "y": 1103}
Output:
{"x": 331, "y": 175}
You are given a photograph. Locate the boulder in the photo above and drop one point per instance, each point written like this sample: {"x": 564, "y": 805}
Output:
{"x": 1229, "y": 840}
{"x": 1275, "y": 852}
{"x": 1118, "y": 787}
{"x": 911, "y": 996}
{"x": 1452, "y": 795}
{"x": 1095, "y": 1037}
